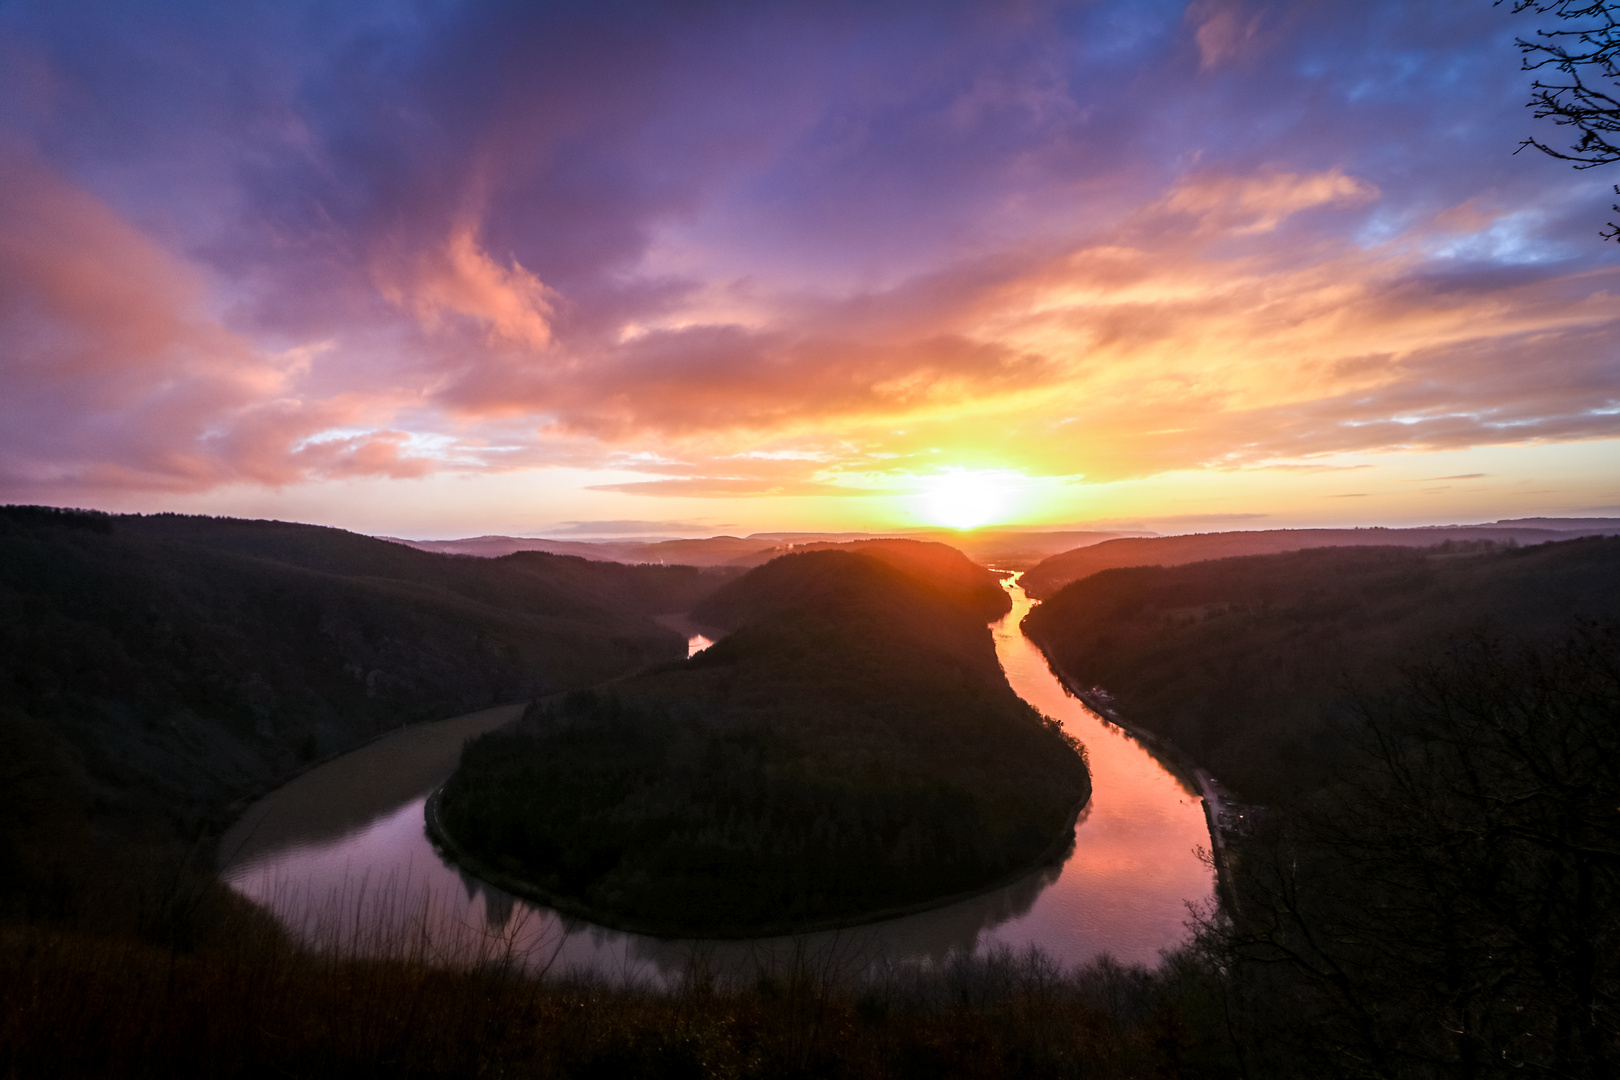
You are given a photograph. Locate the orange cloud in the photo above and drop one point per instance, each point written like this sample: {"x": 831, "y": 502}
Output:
{"x": 1144, "y": 351}
{"x": 376, "y": 453}
{"x": 1209, "y": 328}
{"x": 458, "y": 278}
{"x": 1243, "y": 205}
{"x": 731, "y": 487}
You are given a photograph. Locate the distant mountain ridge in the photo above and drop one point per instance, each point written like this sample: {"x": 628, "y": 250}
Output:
{"x": 1011, "y": 549}
{"x": 1047, "y": 577}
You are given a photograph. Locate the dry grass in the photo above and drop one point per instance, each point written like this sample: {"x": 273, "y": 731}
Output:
{"x": 164, "y": 972}
{"x": 248, "y": 1005}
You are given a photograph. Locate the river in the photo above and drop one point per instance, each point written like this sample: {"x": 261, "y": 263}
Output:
{"x": 340, "y": 856}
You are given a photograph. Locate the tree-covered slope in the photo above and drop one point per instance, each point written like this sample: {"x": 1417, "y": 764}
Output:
{"x": 1246, "y": 663}
{"x": 951, "y": 573}
{"x": 850, "y": 746}
{"x": 1043, "y": 580}
{"x": 153, "y": 669}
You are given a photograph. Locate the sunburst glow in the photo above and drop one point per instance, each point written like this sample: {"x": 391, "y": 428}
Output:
{"x": 964, "y": 499}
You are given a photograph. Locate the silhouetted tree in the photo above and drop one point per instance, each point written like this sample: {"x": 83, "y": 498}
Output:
{"x": 1450, "y": 907}
{"x": 1582, "y": 50}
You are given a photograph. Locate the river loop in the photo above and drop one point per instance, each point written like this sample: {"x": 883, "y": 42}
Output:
{"x": 339, "y": 855}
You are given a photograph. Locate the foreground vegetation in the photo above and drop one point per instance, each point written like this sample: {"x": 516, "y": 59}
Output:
{"x": 82, "y": 1005}
{"x": 1448, "y": 904}
{"x": 850, "y": 748}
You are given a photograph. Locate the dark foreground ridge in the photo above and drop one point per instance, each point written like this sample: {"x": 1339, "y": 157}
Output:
{"x": 850, "y": 749}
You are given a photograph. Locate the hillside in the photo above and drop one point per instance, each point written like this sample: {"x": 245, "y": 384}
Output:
{"x": 851, "y": 746}
{"x": 1051, "y": 574}
{"x": 1247, "y": 663}
{"x": 155, "y": 669}
{"x": 709, "y": 551}
{"x": 944, "y": 568}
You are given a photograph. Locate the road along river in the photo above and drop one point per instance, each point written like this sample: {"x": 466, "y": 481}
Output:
{"x": 340, "y": 856}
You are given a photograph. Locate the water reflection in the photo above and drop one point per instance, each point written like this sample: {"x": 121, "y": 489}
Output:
{"x": 696, "y": 641}
{"x": 341, "y": 856}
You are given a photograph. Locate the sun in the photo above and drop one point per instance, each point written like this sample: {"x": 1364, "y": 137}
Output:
{"x": 965, "y": 500}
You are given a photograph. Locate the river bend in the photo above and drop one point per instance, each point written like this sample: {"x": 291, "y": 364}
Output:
{"x": 340, "y": 856}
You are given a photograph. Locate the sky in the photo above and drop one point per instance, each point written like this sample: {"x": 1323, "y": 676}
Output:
{"x": 444, "y": 269}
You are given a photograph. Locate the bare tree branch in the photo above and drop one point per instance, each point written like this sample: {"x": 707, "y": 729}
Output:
{"x": 1584, "y": 48}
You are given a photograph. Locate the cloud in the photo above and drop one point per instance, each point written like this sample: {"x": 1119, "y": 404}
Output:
{"x": 459, "y": 278}
{"x": 118, "y": 376}
{"x": 623, "y": 527}
{"x": 861, "y": 244}
{"x": 1225, "y": 31}
{"x": 733, "y": 487}
{"x": 1256, "y": 204}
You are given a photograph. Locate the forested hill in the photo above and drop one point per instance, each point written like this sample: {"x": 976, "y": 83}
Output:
{"x": 1048, "y": 576}
{"x": 944, "y": 566}
{"x": 1252, "y": 664}
{"x": 153, "y": 669}
{"x": 947, "y": 572}
{"x": 851, "y": 746}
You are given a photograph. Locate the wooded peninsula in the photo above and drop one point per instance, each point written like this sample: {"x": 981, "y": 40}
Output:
{"x": 848, "y": 750}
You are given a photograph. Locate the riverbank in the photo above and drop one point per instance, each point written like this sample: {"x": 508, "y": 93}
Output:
{"x": 328, "y": 798}
{"x": 1216, "y": 800}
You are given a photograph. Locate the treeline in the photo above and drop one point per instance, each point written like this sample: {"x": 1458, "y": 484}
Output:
{"x": 850, "y": 747}
{"x": 1426, "y": 882}
{"x": 1251, "y": 664}
{"x": 155, "y": 669}
{"x": 1043, "y": 580}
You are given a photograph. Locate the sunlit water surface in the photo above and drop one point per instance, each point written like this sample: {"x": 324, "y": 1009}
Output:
{"x": 340, "y": 855}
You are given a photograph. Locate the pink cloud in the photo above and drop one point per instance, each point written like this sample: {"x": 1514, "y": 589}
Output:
{"x": 458, "y": 278}
{"x": 1243, "y": 205}
{"x": 1225, "y": 31}
{"x": 1199, "y": 331}
{"x": 378, "y": 453}
{"x": 117, "y": 374}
